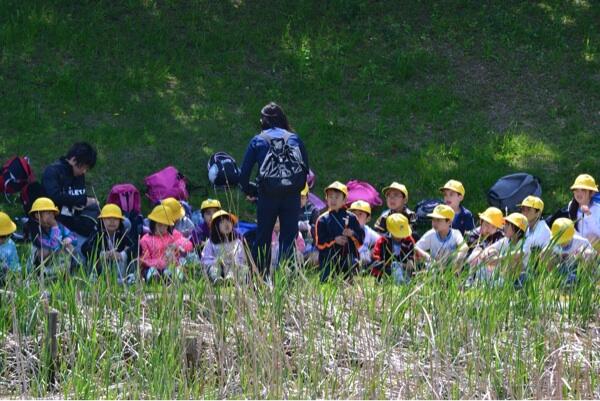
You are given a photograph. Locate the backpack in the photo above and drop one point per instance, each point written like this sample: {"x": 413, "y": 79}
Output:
{"x": 510, "y": 190}
{"x": 166, "y": 183}
{"x": 16, "y": 174}
{"x": 361, "y": 190}
{"x": 223, "y": 170}
{"x": 30, "y": 193}
{"x": 425, "y": 207}
{"x": 126, "y": 196}
{"x": 283, "y": 170}
{"x": 316, "y": 201}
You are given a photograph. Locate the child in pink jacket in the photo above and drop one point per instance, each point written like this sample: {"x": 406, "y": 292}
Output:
{"x": 163, "y": 249}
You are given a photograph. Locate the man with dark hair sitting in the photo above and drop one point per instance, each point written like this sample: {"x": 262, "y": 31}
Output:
{"x": 64, "y": 182}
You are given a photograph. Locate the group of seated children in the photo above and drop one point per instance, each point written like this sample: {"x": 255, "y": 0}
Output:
{"x": 339, "y": 239}
{"x": 500, "y": 244}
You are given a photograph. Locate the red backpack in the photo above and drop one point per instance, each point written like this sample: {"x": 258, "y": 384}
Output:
{"x": 16, "y": 174}
{"x": 166, "y": 183}
{"x": 126, "y": 196}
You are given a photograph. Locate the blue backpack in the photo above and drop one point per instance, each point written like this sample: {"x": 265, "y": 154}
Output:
{"x": 510, "y": 190}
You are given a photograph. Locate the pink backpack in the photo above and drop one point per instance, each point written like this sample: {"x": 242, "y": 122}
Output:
{"x": 361, "y": 190}
{"x": 126, "y": 196}
{"x": 166, "y": 183}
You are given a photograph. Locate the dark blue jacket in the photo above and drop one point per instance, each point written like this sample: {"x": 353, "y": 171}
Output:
{"x": 257, "y": 151}
{"x": 463, "y": 221}
{"x": 331, "y": 224}
{"x": 63, "y": 187}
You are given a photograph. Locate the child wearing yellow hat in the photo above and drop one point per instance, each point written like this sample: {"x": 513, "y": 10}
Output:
{"x": 110, "y": 247}
{"x": 588, "y": 212}
{"x": 362, "y": 210}
{"x": 223, "y": 255}
{"x": 454, "y": 194}
{"x": 442, "y": 242}
{"x": 9, "y": 258}
{"x": 568, "y": 243}
{"x": 488, "y": 232}
{"x": 50, "y": 237}
{"x": 569, "y": 248}
{"x": 396, "y": 198}
{"x": 538, "y": 233}
{"x": 208, "y": 208}
{"x": 394, "y": 252}
{"x": 510, "y": 246}
{"x": 160, "y": 250}
{"x": 306, "y": 221}
{"x": 338, "y": 235}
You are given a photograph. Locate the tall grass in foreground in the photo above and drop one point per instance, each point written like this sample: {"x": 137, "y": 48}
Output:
{"x": 433, "y": 338}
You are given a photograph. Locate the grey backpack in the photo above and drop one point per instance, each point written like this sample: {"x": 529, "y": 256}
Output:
{"x": 510, "y": 190}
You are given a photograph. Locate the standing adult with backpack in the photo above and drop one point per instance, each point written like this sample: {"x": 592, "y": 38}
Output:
{"x": 283, "y": 167}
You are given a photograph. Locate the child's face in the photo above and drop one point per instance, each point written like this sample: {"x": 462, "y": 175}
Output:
{"x": 208, "y": 213}
{"x": 47, "y": 219}
{"x": 531, "y": 213}
{"x": 161, "y": 229}
{"x": 440, "y": 225}
{"x": 363, "y": 218}
{"x": 335, "y": 199}
{"x": 303, "y": 200}
{"x": 509, "y": 230}
{"x": 452, "y": 198}
{"x": 487, "y": 229}
{"x": 111, "y": 224}
{"x": 395, "y": 199}
{"x": 582, "y": 196}
{"x": 225, "y": 226}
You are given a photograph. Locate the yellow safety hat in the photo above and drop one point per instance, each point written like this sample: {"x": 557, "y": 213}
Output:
{"x": 494, "y": 216}
{"x": 210, "y": 203}
{"x": 442, "y": 212}
{"x": 43, "y": 205}
{"x": 221, "y": 213}
{"x": 304, "y": 192}
{"x": 161, "y": 214}
{"x": 111, "y": 211}
{"x": 518, "y": 220}
{"x": 563, "y": 230}
{"x": 397, "y": 224}
{"x": 397, "y": 186}
{"x": 338, "y": 186}
{"x": 362, "y": 206}
{"x": 174, "y": 208}
{"x": 533, "y": 202}
{"x": 585, "y": 181}
{"x": 455, "y": 186}
{"x": 7, "y": 226}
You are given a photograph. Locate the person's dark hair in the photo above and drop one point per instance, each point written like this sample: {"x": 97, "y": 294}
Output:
{"x": 83, "y": 153}
{"x": 215, "y": 236}
{"x": 152, "y": 226}
{"x": 272, "y": 116}
{"x": 519, "y": 234}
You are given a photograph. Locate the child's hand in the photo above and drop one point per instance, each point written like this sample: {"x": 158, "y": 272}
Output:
{"x": 341, "y": 240}
{"x": 348, "y": 232}
{"x": 585, "y": 209}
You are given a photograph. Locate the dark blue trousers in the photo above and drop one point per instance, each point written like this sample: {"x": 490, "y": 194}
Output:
{"x": 268, "y": 208}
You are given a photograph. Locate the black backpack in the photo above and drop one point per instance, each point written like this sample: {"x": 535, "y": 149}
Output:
{"x": 425, "y": 207}
{"x": 15, "y": 175}
{"x": 30, "y": 193}
{"x": 223, "y": 170}
{"x": 283, "y": 170}
{"x": 510, "y": 190}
